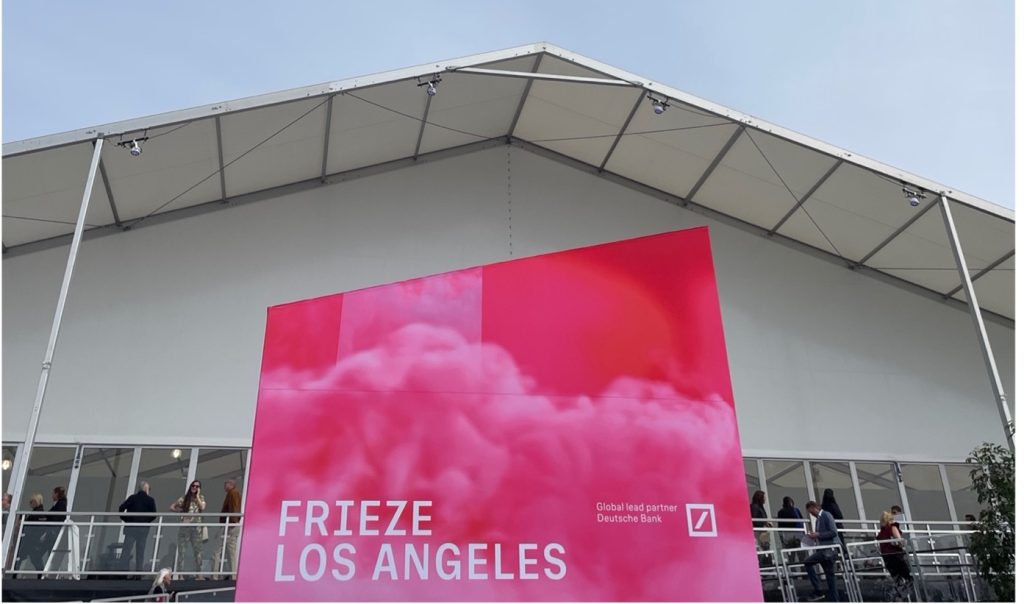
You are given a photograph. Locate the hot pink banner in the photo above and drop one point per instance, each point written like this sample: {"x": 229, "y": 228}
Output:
{"x": 553, "y": 428}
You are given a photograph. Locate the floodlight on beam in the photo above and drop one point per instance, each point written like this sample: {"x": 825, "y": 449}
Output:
{"x": 659, "y": 105}
{"x": 913, "y": 197}
{"x": 430, "y": 84}
{"x": 134, "y": 146}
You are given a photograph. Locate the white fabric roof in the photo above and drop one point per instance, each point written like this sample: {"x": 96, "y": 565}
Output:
{"x": 799, "y": 190}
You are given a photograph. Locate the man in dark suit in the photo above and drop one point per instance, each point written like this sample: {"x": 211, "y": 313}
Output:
{"x": 137, "y": 527}
{"x": 825, "y": 533}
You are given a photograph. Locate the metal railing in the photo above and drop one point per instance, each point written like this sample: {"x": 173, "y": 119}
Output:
{"x": 220, "y": 594}
{"x": 84, "y": 545}
{"x": 937, "y": 554}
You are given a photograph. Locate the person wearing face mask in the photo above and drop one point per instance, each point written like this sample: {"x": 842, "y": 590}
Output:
{"x": 191, "y": 504}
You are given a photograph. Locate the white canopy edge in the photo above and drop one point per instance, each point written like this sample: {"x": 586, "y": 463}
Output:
{"x": 208, "y": 111}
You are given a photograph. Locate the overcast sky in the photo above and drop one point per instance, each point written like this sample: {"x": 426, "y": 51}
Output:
{"x": 923, "y": 85}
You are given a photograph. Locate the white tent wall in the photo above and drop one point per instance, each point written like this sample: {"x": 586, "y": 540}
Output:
{"x": 163, "y": 332}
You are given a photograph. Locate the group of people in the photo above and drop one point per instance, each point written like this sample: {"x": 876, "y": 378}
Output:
{"x": 827, "y": 515}
{"x": 192, "y": 535}
{"x": 138, "y": 512}
{"x": 38, "y": 540}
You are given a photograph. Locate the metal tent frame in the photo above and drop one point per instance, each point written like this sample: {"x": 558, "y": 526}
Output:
{"x": 956, "y": 248}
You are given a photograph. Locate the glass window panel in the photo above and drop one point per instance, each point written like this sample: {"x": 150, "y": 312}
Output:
{"x": 102, "y": 486}
{"x": 48, "y": 467}
{"x": 925, "y": 495}
{"x": 166, "y": 471}
{"x": 8, "y": 464}
{"x": 753, "y": 478}
{"x": 835, "y": 475}
{"x": 217, "y": 465}
{"x": 964, "y": 497}
{"x": 103, "y": 479}
{"x": 9, "y": 452}
{"x": 878, "y": 488}
{"x": 784, "y": 478}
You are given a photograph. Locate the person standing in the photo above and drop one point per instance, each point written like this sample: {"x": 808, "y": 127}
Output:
{"x": 191, "y": 504}
{"x": 789, "y": 510}
{"x": 137, "y": 531}
{"x": 893, "y": 554}
{"x": 56, "y": 515}
{"x": 232, "y": 505}
{"x": 759, "y": 516}
{"x": 825, "y": 533}
{"x": 830, "y": 505}
{"x": 34, "y": 536}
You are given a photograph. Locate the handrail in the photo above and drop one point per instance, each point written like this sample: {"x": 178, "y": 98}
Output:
{"x": 178, "y": 594}
{"x": 119, "y": 514}
{"x": 106, "y": 536}
{"x": 874, "y": 521}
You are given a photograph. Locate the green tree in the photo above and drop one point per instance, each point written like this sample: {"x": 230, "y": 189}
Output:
{"x": 993, "y": 544}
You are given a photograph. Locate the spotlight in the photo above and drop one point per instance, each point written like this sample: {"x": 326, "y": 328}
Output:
{"x": 176, "y": 453}
{"x": 6, "y": 465}
{"x": 134, "y": 146}
{"x": 659, "y": 105}
{"x": 431, "y": 85}
{"x": 913, "y": 197}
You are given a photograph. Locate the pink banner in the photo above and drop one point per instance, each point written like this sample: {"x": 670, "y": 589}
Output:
{"x": 553, "y": 428}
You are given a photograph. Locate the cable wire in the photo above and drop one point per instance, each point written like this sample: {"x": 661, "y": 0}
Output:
{"x": 639, "y": 132}
{"x": 219, "y": 170}
{"x": 793, "y": 195}
{"x": 47, "y": 220}
{"x": 418, "y": 119}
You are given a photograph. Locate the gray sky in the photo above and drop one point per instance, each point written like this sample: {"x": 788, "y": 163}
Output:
{"x": 923, "y": 85}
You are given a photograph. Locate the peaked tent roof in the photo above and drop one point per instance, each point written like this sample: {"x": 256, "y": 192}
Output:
{"x": 803, "y": 192}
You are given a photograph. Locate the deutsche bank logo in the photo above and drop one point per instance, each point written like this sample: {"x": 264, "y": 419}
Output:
{"x": 700, "y": 520}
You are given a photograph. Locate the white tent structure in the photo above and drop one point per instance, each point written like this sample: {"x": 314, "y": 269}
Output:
{"x": 907, "y": 231}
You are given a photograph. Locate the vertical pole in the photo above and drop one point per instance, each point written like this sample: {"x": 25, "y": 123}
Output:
{"x": 979, "y": 324}
{"x": 855, "y": 480}
{"x": 44, "y": 375}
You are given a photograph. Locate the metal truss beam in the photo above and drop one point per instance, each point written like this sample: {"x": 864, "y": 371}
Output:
{"x": 800, "y": 203}
{"x": 743, "y": 225}
{"x": 979, "y": 324}
{"x": 522, "y": 100}
{"x": 714, "y": 164}
{"x": 625, "y": 124}
{"x": 423, "y": 126}
{"x": 110, "y": 193}
{"x": 983, "y": 271}
{"x": 220, "y": 160}
{"x": 327, "y": 138}
{"x": 896, "y": 233}
{"x": 543, "y": 76}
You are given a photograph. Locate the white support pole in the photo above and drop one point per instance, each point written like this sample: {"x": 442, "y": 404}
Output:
{"x": 33, "y": 424}
{"x": 979, "y": 324}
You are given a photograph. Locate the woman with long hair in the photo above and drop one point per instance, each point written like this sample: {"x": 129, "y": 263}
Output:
{"x": 759, "y": 515}
{"x": 790, "y": 538}
{"x": 191, "y": 504}
{"x": 162, "y": 584}
{"x": 830, "y": 505}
